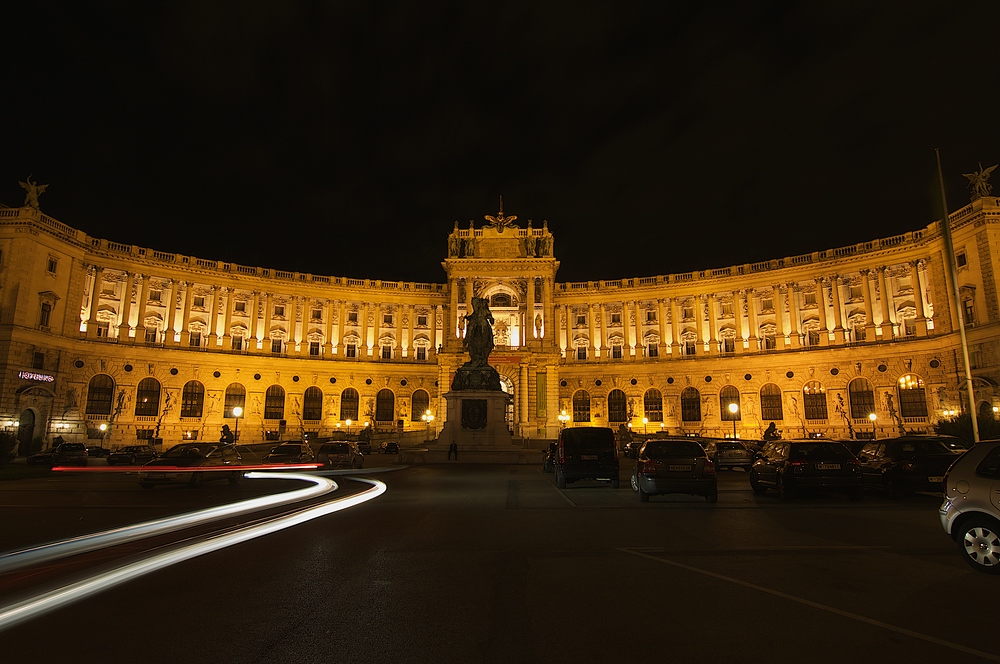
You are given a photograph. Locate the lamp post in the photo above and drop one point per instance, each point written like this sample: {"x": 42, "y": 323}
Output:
{"x": 563, "y": 418}
{"x": 104, "y": 434}
{"x": 237, "y": 411}
{"x": 428, "y": 418}
{"x": 734, "y": 408}
{"x": 348, "y": 427}
{"x": 645, "y": 421}
{"x": 873, "y": 417}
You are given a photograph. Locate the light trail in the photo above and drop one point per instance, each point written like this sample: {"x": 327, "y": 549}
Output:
{"x": 36, "y": 606}
{"x": 93, "y": 541}
{"x": 185, "y": 469}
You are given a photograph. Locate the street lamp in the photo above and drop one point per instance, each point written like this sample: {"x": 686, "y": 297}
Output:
{"x": 563, "y": 419}
{"x": 873, "y": 417}
{"x": 428, "y": 417}
{"x": 104, "y": 434}
{"x": 734, "y": 408}
{"x": 348, "y": 427}
{"x": 645, "y": 421}
{"x": 237, "y": 411}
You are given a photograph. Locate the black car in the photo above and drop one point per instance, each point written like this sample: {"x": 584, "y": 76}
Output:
{"x": 632, "y": 448}
{"x": 390, "y": 447}
{"x": 97, "y": 451}
{"x": 193, "y": 463}
{"x": 364, "y": 447}
{"x": 340, "y": 454}
{"x": 290, "y": 452}
{"x": 131, "y": 455}
{"x": 901, "y": 465}
{"x": 674, "y": 465}
{"x": 65, "y": 454}
{"x": 728, "y": 454}
{"x": 586, "y": 453}
{"x": 791, "y": 466}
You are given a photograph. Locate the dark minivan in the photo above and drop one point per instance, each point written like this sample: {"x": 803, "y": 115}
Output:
{"x": 587, "y": 453}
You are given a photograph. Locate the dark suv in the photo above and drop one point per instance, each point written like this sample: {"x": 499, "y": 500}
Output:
{"x": 64, "y": 454}
{"x": 587, "y": 453}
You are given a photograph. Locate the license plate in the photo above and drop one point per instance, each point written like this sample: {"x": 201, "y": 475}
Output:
{"x": 155, "y": 476}
{"x": 936, "y": 478}
{"x": 588, "y": 457}
{"x": 827, "y": 466}
{"x": 680, "y": 468}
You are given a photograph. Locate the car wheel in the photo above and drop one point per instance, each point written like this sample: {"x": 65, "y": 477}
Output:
{"x": 560, "y": 480}
{"x": 146, "y": 485}
{"x": 614, "y": 484}
{"x": 634, "y": 482}
{"x": 979, "y": 543}
{"x": 712, "y": 497}
{"x": 784, "y": 492}
{"x": 755, "y": 484}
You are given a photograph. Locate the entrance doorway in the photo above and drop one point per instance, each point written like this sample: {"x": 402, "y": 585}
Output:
{"x": 25, "y": 431}
{"x": 508, "y": 387}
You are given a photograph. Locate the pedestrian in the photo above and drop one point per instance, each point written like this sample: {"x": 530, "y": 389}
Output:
{"x": 227, "y": 437}
{"x": 453, "y": 449}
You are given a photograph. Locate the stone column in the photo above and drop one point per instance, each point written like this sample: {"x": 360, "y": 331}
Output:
{"x": 366, "y": 348}
{"x": 699, "y": 323}
{"x": 604, "y": 345}
{"x": 123, "y": 324}
{"x": 546, "y": 307}
{"x": 292, "y": 316}
{"x": 713, "y": 340}
{"x": 398, "y": 319}
{"x": 341, "y": 327}
{"x": 171, "y": 334}
{"x": 331, "y": 309}
{"x": 436, "y": 316}
{"x": 254, "y": 315}
{"x": 140, "y": 323}
{"x": 738, "y": 304}
{"x": 563, "y": 325}
{"x": 661, "y": 322}
{"x": 752, "y": 319}
{"x": 793, "y": 316}
{"x": 265, "y": 334}
{"x": 454, "y": 310}
{"x": 838, "y": 316}
{"x": 866, "y": 291}
{"x": 824, "y": 330}
{"x": 918, "y": 297}
{"x": 186, "y": 314}
{"x": 778, "y": 294}
{"x": 522, "y": 400}
{"x": 886, "y": 302}
{"x": 675, "y": 341}
{"x": 530, "y": 309}
{"x": 213, "y": 318}
{"x": 637, "y": 312}
{"x": 227, "y": 324}
{"x": 408, "y": 342}
{"x": 630, "y": 341}
{"x": 591, "y": 314}
{"x": 95, "y": 302}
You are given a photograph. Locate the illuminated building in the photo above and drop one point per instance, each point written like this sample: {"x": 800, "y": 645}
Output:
{"x": 161, "y": 345}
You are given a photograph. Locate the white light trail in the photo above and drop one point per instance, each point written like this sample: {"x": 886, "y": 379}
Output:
{"x": 31, "y": 608}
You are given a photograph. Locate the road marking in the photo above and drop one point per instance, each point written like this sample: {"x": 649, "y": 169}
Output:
{"x": 565, "y": 497}
{"x": 643, "y": 553}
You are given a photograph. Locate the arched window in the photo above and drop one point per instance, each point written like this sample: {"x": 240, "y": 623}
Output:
{"x": 770, "y": 403}
{"x": 861, "y": 397}
{"x": 420, "y": 404}
{"x": 652, "y": 403}
{"x": 147, "y": 398}
{"x": 236, "y": 395}
{"x": 581, "y": 406}
{"x": 617, "y": 407}
{"x": 501, "y": 300}
{"x": 385, "y": 406}
{"x": 986, "y": 411}
{"x": 727, "y": 395}
{"x": 912, "y": 397}
{"x": 690, "y": 405}
{"x": 274, "y": 403}
{"x": 814, "y": 399}
{"x": 312, "y": 404}
{"x": 349, "y": 404}
{"x": 100, "y": 394}
{"x": 192, "y": 399}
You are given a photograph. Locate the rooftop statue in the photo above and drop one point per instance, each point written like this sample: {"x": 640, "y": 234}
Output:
{"x": 500, "y": 222}
{"x": 34, "y": 190}
{"x": 979, "y": 182}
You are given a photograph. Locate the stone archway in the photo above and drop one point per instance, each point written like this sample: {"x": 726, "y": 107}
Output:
{"x": 25, "y": 431}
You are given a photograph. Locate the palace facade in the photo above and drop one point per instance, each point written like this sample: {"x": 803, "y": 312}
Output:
{"x": 105, "y": 341}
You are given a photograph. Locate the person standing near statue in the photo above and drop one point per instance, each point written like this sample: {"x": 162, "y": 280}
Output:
{"x": 227, "y": 437}
{"x": 453, "y": 449}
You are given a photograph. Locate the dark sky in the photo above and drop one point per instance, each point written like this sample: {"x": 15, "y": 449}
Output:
{"x": 346, "y": 138}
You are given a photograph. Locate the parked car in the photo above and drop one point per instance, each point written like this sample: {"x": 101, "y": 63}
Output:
{"x": 340, "y": 454}
{"x": 970, "y": 513}
{"x": 674, "y": 465}
{"x": 365, "y": 447}
{"x": 902, "y": 465}
{"x": 728, "y": 454}
{"x": 586, "y": 453}
{"x": 64, "y": 454}
{"x": 390, "y": 447}
{"x": 97, "y": 451}
{"x": 182, "y": 463}
{"x": 549, "y": 459}
{"x": 290, "y": 452}
{"x": 132, "y": 455}
{"x": 790, "y": 466}
{"x": 632, "y": 448}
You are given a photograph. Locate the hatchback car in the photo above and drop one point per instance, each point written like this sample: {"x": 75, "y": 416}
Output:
{"x": 674, "y": 466}
{"x": 586, "y": 453}
{"x": 132, "y": 455}
{"x": 971, "y": 509}
{"x": 340, "y": 454}
{"x": 390, "y": 447}
{"x": 64, "y": 454}
{"x": 193, "y": 463}
{"x": 291, "y": 452}
{"x": 902, "y": 465}
{"x": 729, "y": 454}
{"x": 790, "y": 466}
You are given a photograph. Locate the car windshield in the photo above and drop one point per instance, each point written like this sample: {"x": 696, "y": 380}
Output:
{"x": 730, "y": 447}
{"x": 920, "y": 447}
{"x": 336, "y": 448}
{"x": 812, "y": 451}
{"x": 188, "y": 450}
{"x": 286, "y": 450}
{"x": 588, "y": 440}
{"x": 73, "y": 447}
{"x": 664, "y": 449}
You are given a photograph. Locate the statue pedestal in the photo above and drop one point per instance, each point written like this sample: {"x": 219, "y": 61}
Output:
{"x": 476, "y": 420}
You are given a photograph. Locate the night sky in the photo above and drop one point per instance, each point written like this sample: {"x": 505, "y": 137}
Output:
{"x": 347, "y": 138}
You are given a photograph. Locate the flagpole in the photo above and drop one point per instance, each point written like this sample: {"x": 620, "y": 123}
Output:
{"x": 949, "y": 257}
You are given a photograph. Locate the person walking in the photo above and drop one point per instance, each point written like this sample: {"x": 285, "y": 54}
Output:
{"x": 453, "y": 449}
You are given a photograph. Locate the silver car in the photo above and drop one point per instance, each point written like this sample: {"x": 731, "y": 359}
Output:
{"x": 971, "y": 509}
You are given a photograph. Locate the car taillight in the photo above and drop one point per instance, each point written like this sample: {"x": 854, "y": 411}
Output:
{"x": 562, "y": 453}
{"x": 709, "y": 466}
{"x": 908, "y": 467}
{"x": 649, "y": 467}
{"x": 796, "y": 464}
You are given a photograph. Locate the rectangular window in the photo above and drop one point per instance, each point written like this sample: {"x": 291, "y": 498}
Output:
{"x": 812, "y": 338}
{"x": 581, "y": 319}
{"x": 766, "y": 304}
{"x": 810, "y": 299}
{"x": 689, "y": 348}
{"x": 727, "y": 309}
{"x": 855, "y": 293}
{"x": 729, "y": 345}
{"x": 109, "y": 287}
{"x": 421, "y": 321}
{"x": 352, "y": 317}
{"x": 351, "y": 350}
{"x": 961, "y": 260}
{"x": 969, "y": 309}
{"x": 45, "y": 314}
{"x": 276, "y": 345}
{"x": 687, "y": 312}
{"x": 910, "y": 327}
{"x": 650, "y": 316}
{"x": 103, "y": 329}
{"x": 769, "y": 342}
{"x": 38, "y": 361}
{"x": 155, "y": 295}
{"x": 199, "y": 301}
{"x": 616, "y": 352}
{"x": 314, "y": 348}
{"x": 317, "y": 314}
{"x": 240, "y": 307}
{"x": 652, "y": 350}
{"x": 279, "y": 311}
{"x": 196, "y": 338}
{"x": 581, "y": 352}
{"x": 421, "y": 353}
{"x": 143, "y": 434}
{"x": 386, "y": 352}
{"x": 151, "y": 333}
{"x": 52, "y": 265}
{"x": 237, "y": 343}
{"x": 616, "y": 318}
{"x": 859, "y": 332}
{"x": 387, "y": 319}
